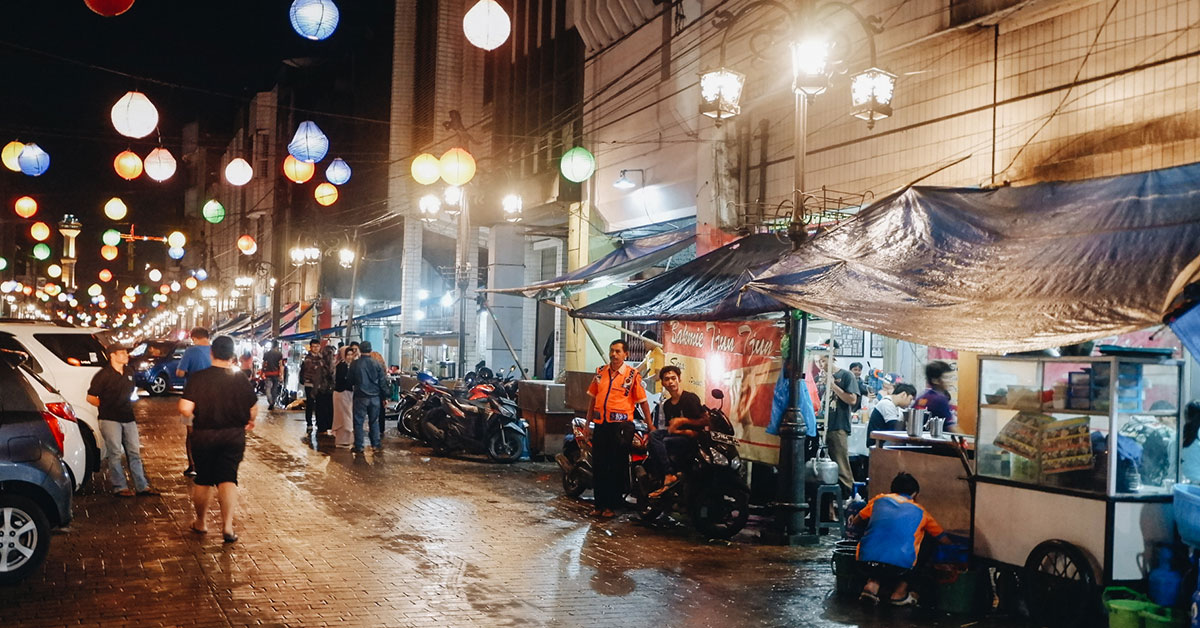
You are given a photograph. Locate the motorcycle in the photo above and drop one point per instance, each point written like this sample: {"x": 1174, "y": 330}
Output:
{"x": 485, "y": 426}
{"x": 418, "y": 402}
{"x": 575, "y": 461}
{"x": 710, "y": 490}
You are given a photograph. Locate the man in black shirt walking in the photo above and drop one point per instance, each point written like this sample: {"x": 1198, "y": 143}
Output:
{"x": 112, "y": 391}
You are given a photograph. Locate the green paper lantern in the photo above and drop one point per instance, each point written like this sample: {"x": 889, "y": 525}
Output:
{"x": 111, "y": 237}
{"x": 213, "y": 212}
{"x": 41, "y": 251}
{"x": 3, "y": 263}
{"x": 577, "y": 164}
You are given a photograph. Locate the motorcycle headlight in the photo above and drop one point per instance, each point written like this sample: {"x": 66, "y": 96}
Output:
{"x": 143, "y": 366}
{"x": 720, "y": 459}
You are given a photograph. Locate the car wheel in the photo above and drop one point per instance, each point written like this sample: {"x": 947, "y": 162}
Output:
{"x": 93, "y": 454}
{"x": 160, "y": 385}
{"x": 24, "y": 537}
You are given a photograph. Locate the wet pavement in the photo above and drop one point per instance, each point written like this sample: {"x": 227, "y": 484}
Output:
{"x": 404, "y": 539}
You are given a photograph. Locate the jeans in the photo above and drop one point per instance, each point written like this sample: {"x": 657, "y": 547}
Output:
{"x": 665, "y": 449}
{"x": 273, "y": 387}
{"x": 366, "y": 408}
{"x": 122, "y": 438}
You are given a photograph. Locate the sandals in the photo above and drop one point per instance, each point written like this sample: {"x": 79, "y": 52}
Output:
{"x": 908, "y": 600}
{"x": 868, "y": 597}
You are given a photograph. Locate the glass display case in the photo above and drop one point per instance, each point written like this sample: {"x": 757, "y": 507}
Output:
{"x": 1106, "y": 426}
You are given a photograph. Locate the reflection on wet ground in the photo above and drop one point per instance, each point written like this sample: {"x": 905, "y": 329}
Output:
{"x": 404, "y": 539}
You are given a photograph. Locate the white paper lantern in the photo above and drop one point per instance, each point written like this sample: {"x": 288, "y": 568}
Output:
{"x": 314, "y": 19}
{"x": 309, "y": 144}
{"x": 338, "y": 172}
{"x": 486, "y": 25}
{"x": 160, "y": 164}
{"x": 134, "y": 115}
{"x": 238, "y": 172}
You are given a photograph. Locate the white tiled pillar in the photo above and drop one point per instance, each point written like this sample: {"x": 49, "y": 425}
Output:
{"x": 506, "y": 269}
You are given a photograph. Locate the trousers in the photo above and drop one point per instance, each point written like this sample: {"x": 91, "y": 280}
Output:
{"x": 610, "y": 461}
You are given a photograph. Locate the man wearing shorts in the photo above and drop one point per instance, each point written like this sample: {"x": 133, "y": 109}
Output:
{"x": 222, "y": 406}
{"x": 195, "y": 358}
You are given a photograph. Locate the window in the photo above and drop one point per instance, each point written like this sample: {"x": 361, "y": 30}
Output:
{"x": 16, "y": 395}
{"x": 8, "y": 342}
{"x": 75, "y": 349}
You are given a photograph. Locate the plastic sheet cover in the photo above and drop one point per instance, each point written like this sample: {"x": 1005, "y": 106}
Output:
{"x": 708, "y": 288}
{"x": 1008, "y": 269}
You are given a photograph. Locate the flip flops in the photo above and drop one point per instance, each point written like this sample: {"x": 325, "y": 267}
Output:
{"x": 868, "y": 597}
{"x": 908, "y": 600}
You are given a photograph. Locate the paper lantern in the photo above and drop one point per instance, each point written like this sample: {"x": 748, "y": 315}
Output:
{"x": 213, "y": 211}
{"x": 175, "y": 286}
{"x": 457, "y": 166}
{"x": 3, "y": 263}
{"x": 160, "y": 164}
{"x": 577, "y": 164}
{"x": 54, "y": 270}
{"x": 10, "y": 153}
{"x": 314, "y": 19}
{"x": 200, "y": 274}
{"x": 486, "y": 25}
{"x": 155, "y": 274}
{"x": 33, "y": 161}
{"x": 297, "y": 171}
{"x": 134, "y": 115}
{"x": 338, "y": 172}
{"x": 128, "y": 165}
{"x": 426, "y": 169}
{"x": 164, "y": 289}
{"x": 41, "y": 251}
{"x": 309, "y": 144}
{"x": 25, "y": 207}
{"x": 191, "y": 283}
{"x": 247, "y": 245}
{"x": 109, "y": 8}
{"x": 326, "y": 194}
{"x": 176, "y": 239}
{"x": 108, "y": 252}
{"x": 95, "y": 290}
{"x": 115, "y": 209}
{"x": 111, "y": 237}
{"x": 175, "y": 252}
{"x": 105, "y": 275}
{"x": 238, "y": 172}
{"x": 39, "y": 231}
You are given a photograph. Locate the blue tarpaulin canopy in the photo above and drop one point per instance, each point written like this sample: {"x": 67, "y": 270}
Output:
{"x": 1006, "y": 269}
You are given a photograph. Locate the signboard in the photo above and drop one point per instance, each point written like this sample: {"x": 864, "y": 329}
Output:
{"x": 741, "y": 359}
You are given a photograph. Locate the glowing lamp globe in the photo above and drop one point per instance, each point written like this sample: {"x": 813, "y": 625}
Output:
{"x": 176, "y": 239}
{"x": 106, "y": 275}
{"x": 175, "y": 286}
{"x": 95, "y": 290}
{"x": 326, "y": 194}
{"x": 134, "y": 115}
{"x": 41, "y": 251}
{"x": 338, "y": 172}
{"x": 247, "y": 245}
{"x": 25, "y": 207}
{"x": 128, "y": 165}
{"x": 160, "y": 164}
{"x": 314, "y": 19}
{"x": 213, "y": 211}
{"x": 201, "y": 274}
{"x": 164, "y": 289}
{"x": 155, "y": 274}
{"x": 577, "y": 164}
{"x": 10, "y": 153}
{"x": 238, "y": 172}
{"x": 486, "y": 25}
{"x": 191, "y": 283}
{"x": 108, "y": 252}
{"x": 3, "y": 263}
{"x": 457, "y": 166}
{"x": 297, "y": 171}
{"x": 109, "y": 8}
{"x": 39, "y": 231}
{"x": 426, "y": 169}
{"x": 33, "y": 161}
{"x": 309, "y": 144}
{"x": 115, "y": 209}
{"x": 54, "y": 270}
{"x": 111, "y": 237}
{"x": 175, "y": 252}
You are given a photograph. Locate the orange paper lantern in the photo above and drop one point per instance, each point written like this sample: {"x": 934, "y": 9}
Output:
{"x": 457, "y": 166}
{"x": 105, "y": 275}
{"x": 128, "y": 165}
{"x": 247, "y": 245}
{"x": 298, "y": 171}
{"x": 26, "y": 207}
{"x": 108, "y": 252}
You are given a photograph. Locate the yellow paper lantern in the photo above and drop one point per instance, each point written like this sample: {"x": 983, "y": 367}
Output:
{"x": 457, "y": 166}
{"x": 106, "y": 275}
{"x": 10, "y": 153}
{"x": 39, "y": 231}
{"x": 191, "y": 283}
{"x": 115, "y": 209}
{"x": 298, "y": 171}
{"x": 25, "y": 207}
{"x": 176, "y": 239}
{"x": 326, "y": 194}
{"x": 426, "y": 169}
{"x": 128, "y": 165}
{"x": 108, "y": 252}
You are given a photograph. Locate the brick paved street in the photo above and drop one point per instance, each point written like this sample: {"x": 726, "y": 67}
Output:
{"x": 405, "y": 540}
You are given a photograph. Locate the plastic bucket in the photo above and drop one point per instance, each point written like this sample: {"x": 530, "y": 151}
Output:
{"x": 1125, "y": 607}
{"x": 847, "y": 576}
{"x": 960, "y": 594}
{"x": 1163, "y": 617}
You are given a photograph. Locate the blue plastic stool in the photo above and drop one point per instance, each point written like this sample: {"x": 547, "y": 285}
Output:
{"x": 834, "y": 492}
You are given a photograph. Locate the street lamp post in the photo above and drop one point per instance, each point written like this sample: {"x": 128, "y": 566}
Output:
{"x": 814, "y": 57}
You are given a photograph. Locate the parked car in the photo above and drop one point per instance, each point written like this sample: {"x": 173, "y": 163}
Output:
{"x": 74, "y": 449}
{"x": 154, "y": 363}
{"x": 35, "y": 486}
{"x": 67, "y": 357}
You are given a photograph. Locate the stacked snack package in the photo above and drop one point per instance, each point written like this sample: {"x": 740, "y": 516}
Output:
{"x": 1055, "y": 445}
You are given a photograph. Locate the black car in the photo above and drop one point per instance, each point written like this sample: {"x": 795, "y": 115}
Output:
{"x": 35, "y": 487}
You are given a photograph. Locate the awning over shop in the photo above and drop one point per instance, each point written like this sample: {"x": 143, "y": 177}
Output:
{"x": 377, "y": 314}
{"x": 631, "y": 257}
{"x": 262, "y": 323}
{"x": 706, "y": 288}
{"x": 1007, "y": 269}
{"x": 232, "y": 323}
{"x": 304, "y": 335}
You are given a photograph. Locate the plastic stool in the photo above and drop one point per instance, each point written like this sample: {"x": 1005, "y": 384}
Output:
{"x": 834, "y": 491}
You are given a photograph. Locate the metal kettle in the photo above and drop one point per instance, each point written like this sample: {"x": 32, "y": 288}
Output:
{"x": 822, "y": 469}
{"x": 914, "y": 421}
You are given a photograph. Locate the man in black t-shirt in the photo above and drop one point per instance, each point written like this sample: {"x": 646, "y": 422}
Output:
{"x": 112, "y": 391}
{"x": 846, "y": 397}
{"x": 683, "y": 415}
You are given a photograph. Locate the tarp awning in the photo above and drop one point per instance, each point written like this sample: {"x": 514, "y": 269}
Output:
{"x": 384, "y": 313}
{"x": 631, "y": 257}
{"x": 328, "y": 331}
{"x": 1007, "y": 269}
{"x": 706, "y": 288}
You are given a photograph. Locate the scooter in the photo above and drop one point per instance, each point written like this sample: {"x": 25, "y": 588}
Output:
{"x": 575, "y": 461}
{"x": 418, "y": 402}
{"x": 485, "y": 426}
{"x": 710, "y": 490}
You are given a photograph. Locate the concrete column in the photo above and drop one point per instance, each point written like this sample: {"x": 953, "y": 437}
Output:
{"x": 410, "y": 275}
{"x": 529, "y": 307}
{"x": 467, "y": 262}
{"x": 506, "y": 269}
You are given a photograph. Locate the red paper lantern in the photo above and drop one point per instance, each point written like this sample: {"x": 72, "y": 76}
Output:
{"x": 106, "y": 275}
{"x": 109, "y": 8}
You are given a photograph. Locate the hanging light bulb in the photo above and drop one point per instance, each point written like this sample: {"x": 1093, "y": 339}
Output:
{"x": 54, "y": 270}
{"x": 314, "y": 19}
{"x": 238, "y": 172}
{"x": 105, "y": 275}
{"x": 175, "y": 252}
{"x": 486, "y": 25}
{"x": 457, "y": 166}
{"x": 309, "y": 144}
{"x": 111, "y": 237}
{"x": 108, "y": 252}
{"x": 247, "y": 245}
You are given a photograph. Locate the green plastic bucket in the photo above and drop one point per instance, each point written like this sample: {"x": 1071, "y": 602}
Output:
{"x": 1163, "y": 617}
{"x": 847, "y": 576}
{"x": 959, "y": 592}
{"x": 1125, "y": 607}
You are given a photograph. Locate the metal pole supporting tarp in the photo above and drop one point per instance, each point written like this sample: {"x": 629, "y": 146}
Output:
{"x": 504, "y": 337}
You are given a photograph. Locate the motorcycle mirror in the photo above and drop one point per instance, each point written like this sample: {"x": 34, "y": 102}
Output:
{"x": 717, "y": 394}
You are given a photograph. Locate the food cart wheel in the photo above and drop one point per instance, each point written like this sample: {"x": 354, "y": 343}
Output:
{"x": 1059, "y": 585}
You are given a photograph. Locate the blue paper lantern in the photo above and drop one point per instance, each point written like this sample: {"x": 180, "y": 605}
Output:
{"x": 176, "y": 252}
{"x": 309, "y": 144}
{"x": 200, "y": 274}
{"x": 314, "y": 19}
{"x": 338, "y": 172}
{"x": 33, "y": 160}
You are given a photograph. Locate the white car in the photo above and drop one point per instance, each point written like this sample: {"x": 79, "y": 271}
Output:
{"x": 66, "y": 357}
{"x": 74, "y": 451}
